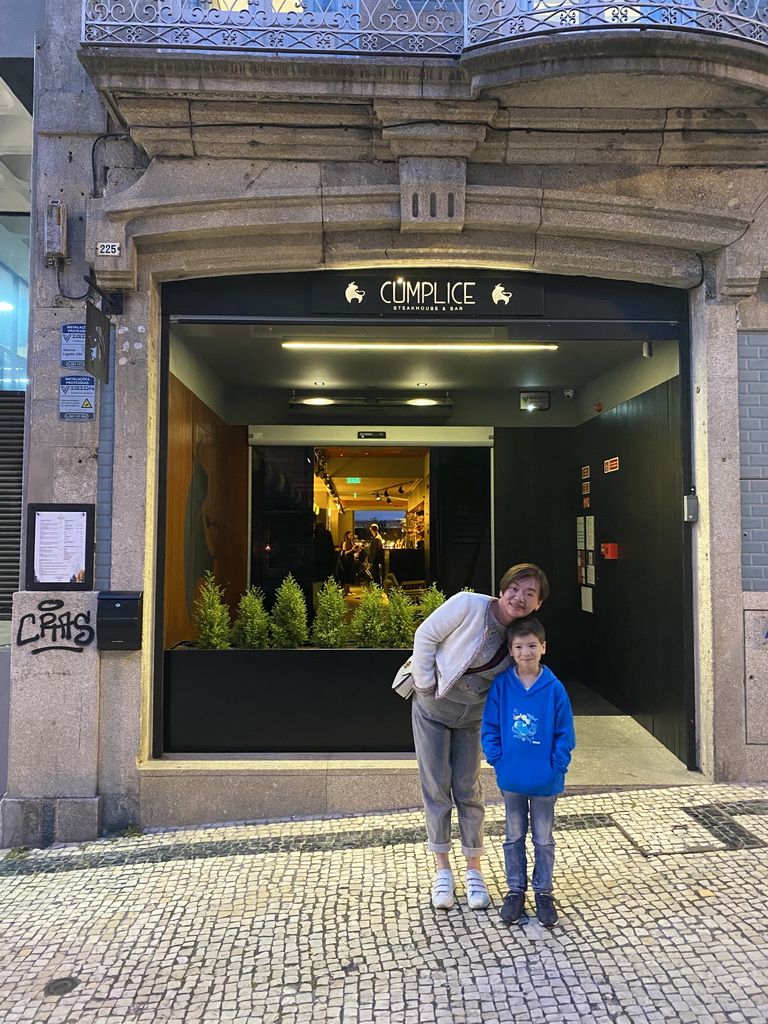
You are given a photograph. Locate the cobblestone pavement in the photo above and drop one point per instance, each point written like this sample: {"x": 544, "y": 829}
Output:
{"x": 663, "y": 898}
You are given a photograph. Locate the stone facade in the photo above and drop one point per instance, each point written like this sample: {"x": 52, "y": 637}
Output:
{"x": 605, "y": 154}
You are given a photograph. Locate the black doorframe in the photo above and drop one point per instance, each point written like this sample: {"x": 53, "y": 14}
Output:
{"x": 572, "y": 309}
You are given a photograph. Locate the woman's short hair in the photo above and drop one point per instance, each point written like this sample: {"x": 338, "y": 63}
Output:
{"x": 524, "y": 571}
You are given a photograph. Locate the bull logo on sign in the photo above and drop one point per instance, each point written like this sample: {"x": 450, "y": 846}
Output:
{"x": 500, "y": 294}
{"x": 353, "y": 293}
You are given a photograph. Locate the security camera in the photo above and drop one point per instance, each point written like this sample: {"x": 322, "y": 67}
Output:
{"x": 568, "y": 392}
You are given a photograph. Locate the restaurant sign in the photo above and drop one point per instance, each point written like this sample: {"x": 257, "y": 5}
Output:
{"x": 469, "y": 293}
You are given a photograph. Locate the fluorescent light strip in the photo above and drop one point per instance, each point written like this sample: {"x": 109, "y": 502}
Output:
{"x": 386, "y": 346}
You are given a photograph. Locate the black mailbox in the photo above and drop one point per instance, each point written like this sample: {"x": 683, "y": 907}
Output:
{"x": 118, "y": 620}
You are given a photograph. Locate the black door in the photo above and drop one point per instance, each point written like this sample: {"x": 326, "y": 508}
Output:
{"x": 460, "y": 518}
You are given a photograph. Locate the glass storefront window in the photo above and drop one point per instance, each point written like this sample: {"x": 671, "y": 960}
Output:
{"x": 14, "y": 301}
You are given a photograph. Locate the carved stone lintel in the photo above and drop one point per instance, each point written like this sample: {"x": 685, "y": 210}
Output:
{"x": 432, "y": 194}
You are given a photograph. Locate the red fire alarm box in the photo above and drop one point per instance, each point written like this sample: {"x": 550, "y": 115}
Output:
{"x": 609, "y": 550}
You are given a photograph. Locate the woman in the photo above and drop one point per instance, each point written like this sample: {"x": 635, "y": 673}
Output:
{"x": 348, "y": 561}
{"x": 457, "y": 652}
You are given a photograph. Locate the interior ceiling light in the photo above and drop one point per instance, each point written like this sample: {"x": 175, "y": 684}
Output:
{"x": 372, "y": 399}
{"x": 417, "y": 346}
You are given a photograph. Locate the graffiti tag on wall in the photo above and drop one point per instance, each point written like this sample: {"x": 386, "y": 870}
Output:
{"x": 56, "y": 627}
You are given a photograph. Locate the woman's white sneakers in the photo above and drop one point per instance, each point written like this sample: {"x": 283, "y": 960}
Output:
{"x": 443, "y": 891}
{"x": 477, "y": 891}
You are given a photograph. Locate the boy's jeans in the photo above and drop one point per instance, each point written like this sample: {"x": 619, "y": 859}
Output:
{"x": 542, "y": 814}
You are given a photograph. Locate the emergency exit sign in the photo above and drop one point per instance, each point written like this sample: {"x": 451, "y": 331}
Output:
{"x": 353, "y": 480}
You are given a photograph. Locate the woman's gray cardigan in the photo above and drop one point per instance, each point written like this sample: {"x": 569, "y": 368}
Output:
{"x": 448, "y": 641}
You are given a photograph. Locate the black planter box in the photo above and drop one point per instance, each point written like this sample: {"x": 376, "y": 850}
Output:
{"x": 297, "y": 701}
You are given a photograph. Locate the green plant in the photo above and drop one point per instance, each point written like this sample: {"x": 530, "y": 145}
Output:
{"x": 212, "y": 620}
{"x": 330, "y": 626}
{"x": 400, "y": 623}
{"x": 251, "y": 629}
{"x": 17, "y": 853}
{"x": 431, "y": 599}
{"x": 367, "y": 626}
{"x": 288, "y": 621}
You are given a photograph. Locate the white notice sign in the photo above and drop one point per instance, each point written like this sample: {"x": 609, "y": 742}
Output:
{"x": 77, "y": 397}
{"x": 580, "y": 533}
{"x": 590, "y": 539}
{"x": 60, "y": 547}
{"x": 586, "y": 599}
{"x": 73, "y": 346}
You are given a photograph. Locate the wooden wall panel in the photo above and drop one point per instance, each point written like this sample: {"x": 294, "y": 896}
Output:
{"x": 207, "y": 507}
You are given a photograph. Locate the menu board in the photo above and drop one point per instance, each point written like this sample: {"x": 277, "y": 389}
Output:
{"x": 60, "y": 547}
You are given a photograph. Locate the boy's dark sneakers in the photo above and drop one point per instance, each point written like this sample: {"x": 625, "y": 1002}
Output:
{"x": 545, "y": 909}
{"x": 513, "y": 907}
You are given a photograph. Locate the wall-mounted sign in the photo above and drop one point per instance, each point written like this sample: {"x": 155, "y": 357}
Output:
{"x": 77, "y": 398}
{"x": 585, "y": 487}
{"x": 414, "y": 293}
{"x": 97, "y": 328}
{"x": 107, "y": 248}
{"x": 611, "y": 465}
{"x": 73, "y": 346}
{"x": 533, "y": 401}
{"x": 60, "y": 547}
{"x": 585, "y": 472}
{"x": 353, "y": 480}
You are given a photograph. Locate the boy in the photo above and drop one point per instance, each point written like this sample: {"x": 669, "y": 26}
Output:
{"x": 527, "y": 735}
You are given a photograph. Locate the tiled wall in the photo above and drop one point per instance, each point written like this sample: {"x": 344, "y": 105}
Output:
{"x": 753, "y": 423}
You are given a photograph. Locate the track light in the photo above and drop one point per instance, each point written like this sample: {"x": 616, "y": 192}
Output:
{"x": 389, "y": 500}
{"x": 378, "y": 496}
{"x": 400, "y": 489}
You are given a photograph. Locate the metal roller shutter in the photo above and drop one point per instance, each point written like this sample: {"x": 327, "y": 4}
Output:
{"x": 11, "y": 461}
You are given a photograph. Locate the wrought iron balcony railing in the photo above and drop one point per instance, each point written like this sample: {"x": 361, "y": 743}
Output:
{"x": 399, "y": 28}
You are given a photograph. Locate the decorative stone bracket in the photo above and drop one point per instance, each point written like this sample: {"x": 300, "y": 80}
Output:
{"x": 432, "y": 142}
{"x": 744, "y": 261}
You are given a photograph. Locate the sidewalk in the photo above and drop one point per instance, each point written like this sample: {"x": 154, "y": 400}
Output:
{"x": 664, "y": 917}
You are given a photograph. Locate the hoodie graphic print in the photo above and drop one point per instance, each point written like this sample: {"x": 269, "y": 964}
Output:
{"x": 527, "y": 735}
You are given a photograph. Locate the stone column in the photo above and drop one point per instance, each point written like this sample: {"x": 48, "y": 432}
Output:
{"x": 53, "y": 744}
{"x": 717, "y": 542}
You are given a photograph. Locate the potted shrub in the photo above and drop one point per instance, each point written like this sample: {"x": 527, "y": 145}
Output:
{"x": 432, "y": 598}
{"x": 330, "y": 626}
{"x": 367, "y": 628}
{"x": 400, "y": 623}
{"x": 251, "y": 628}
{"x": 212, "y": 619}
{"x": 288, "y": 621}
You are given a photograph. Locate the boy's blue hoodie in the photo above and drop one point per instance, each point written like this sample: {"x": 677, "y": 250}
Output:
{"x": 528, "y": 735}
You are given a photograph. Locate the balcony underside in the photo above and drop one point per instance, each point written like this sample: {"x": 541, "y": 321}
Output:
{"x": 624, "y": 69}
